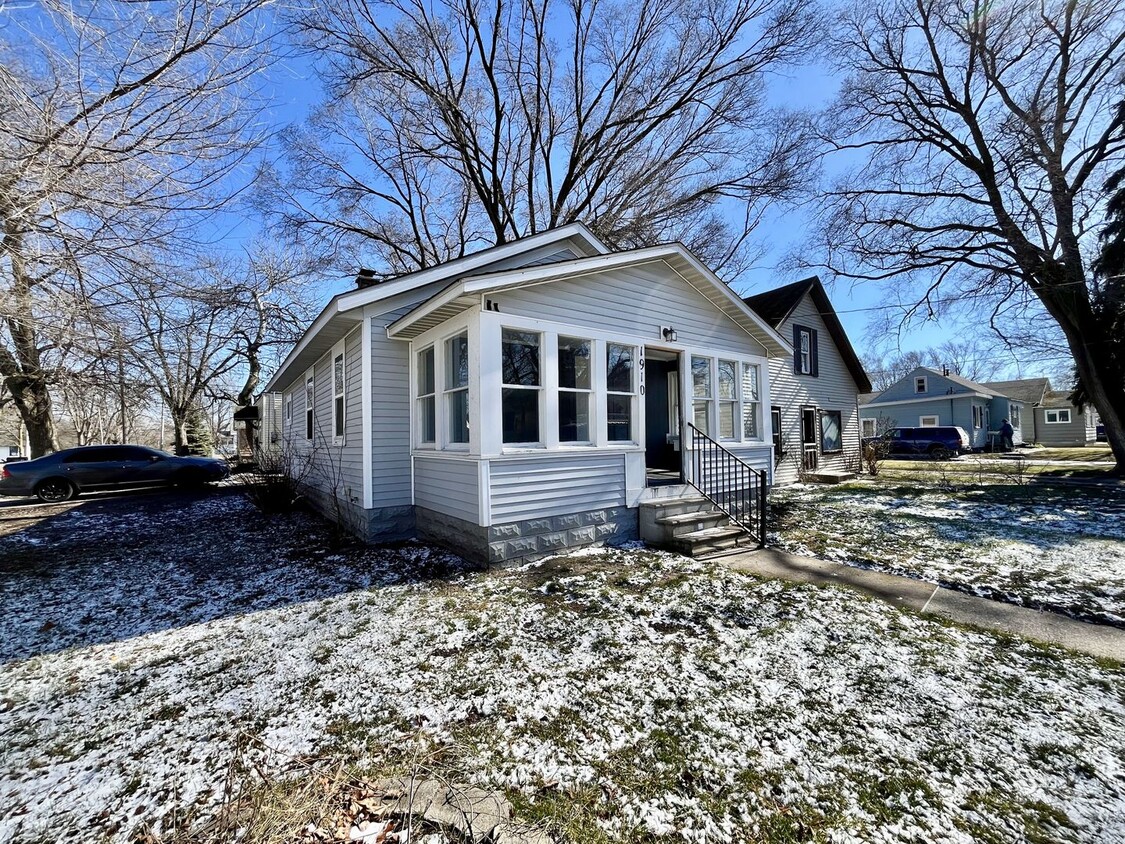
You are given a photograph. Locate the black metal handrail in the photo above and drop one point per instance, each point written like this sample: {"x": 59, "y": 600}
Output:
{"x": 734, "y": 486}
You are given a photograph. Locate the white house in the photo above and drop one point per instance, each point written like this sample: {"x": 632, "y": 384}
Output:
{"x": 530, "y": 397}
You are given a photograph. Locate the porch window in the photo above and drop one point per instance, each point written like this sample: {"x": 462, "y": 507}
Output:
{"x": 457, "y": 387}
{"x": 728, "y": 398}
{"x": 621, "y": 389}
{"x": 751, "y": 403}
{"x": 309, "y": 406}
{"x": 338, "y": 397}
{"x": 831, "y": 437}
{"x": 574, "y": 359}
{"x": 701, "y": 393}
{"x": 520, "y": 362}
{"x": 427, "y": 426}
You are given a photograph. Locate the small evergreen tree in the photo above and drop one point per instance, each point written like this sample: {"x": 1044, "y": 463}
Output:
{"x": 199, "y": 438}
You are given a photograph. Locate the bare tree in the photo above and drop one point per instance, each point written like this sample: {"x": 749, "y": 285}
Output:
{"x": 464, "y": 123}
{"x": 989, "y": 128}
{"x": 119, "y": 122}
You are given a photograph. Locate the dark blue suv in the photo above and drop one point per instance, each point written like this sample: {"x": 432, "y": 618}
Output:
{"x": 939, "y": 443}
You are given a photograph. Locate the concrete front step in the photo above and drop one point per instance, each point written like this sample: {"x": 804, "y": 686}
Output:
{"x": 660, "y": 508}
{"x": 684, "y": 523}
{"x": 708, "y": 540}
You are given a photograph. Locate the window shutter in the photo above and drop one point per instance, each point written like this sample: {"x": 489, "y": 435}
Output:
{"x": 796, "y": 349}
{"x": 815, "y": 354}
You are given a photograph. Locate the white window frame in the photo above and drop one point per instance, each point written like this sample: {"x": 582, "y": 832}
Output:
{"x": 735, "y": 403}
{"x": 310, "y": 406}
{"x": 634, "y": 391}
{"x": 339, "y": 394}
{"x": 1015, "y": 415}
{"x": 448, "y": 392}
{"x": 591, "y": 403}
{"x": 287, "y": 400}
{"x": 754, "y": 405}
{"x": 923, "y": 423}
{"x": 804, "y": 336}
{"x": 540, "y": 389}
{"x": 708, "y": 399}
{"x": 925, "y": 382}
{"x": 863, "y": 423}
{"x": 821, "y": 412}
{"x": 420, "y": 398}
{"x": 978, "y": 416}
{"x": 1058, "y": 414}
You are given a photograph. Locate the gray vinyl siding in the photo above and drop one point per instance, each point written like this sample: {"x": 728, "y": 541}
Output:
{"x": 937, "y": 386}
{"x": 448, "y": 486}
{"x": 832, "y": 389}
{"x": 1076, "y": 432}
{"x": 1001, "y": 410}
{"x": 635, "y": 302}
{"x": 390, "y": 413}
{"x": 555, "y": 485}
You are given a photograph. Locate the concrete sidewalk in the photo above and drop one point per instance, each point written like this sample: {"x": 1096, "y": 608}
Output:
{"x": 928, "y": 599}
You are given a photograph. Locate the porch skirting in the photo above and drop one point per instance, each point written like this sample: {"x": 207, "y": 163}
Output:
{"x": 529, "y": 539}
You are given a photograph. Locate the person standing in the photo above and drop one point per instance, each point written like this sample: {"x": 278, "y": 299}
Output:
{"x": 1006, "y": 432}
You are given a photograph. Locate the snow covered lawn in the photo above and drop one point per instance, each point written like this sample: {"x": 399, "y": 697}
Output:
{"x": 618, "y": 696}
{"x": 1058, "y": 548}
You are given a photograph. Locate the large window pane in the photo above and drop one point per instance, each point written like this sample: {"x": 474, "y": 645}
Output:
{"x": 457, "y": 361}
{"x": 751, "y": 407}
{"x": 574, "y": 417}
{"x": 830, "y": 438}
{"x": 728, "y": 388}
{"x": 426, "y": 419}
{"x": 520, "y": 357}
{"x": 701, "y": 377}
{"x": 702, "y": 416}
{"x": 574, "y": 363}
{"x": 520, "y": 410}
{"x": 726, "y": 419}
{"x": 457, "y": 411}
{"x": 619, "y": 413}
{"x": 619, "y": 368}
{"x": 426, "y": 371}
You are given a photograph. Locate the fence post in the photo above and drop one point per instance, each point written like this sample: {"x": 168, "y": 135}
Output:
{"x": 763, "y": 480}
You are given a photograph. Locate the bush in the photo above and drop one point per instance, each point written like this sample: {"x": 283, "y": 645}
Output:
{"x": 274, "y": 484}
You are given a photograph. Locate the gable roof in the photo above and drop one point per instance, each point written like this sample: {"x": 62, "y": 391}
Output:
{"x": 465, "y": 292}
{"x": 965, "y": 382}
{"x": 1026, "y": 390}
{"x": 777, "y": 305}
{"x": 344, "y": 311}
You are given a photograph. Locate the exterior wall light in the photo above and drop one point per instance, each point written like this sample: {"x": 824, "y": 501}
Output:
{"x": 669, "y": 333}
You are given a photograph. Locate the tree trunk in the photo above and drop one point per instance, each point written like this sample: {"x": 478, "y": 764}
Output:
{"x": 33, "y": 401}
{"x": 253, "y": 377}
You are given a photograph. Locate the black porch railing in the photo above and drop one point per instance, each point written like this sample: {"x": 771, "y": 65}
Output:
{"x": 734, "y": 486}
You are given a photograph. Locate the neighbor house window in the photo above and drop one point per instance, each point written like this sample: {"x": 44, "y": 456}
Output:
{"x": 574, "y": 361}
{"x": 457, "y": 387}
{"x": 427, "y": 423}
{"x": 728, "y": 398}
{"x": 831, "y": 436}
{"x": 338, "y": 396}
{"x": 1014, "y": 413}
{"x": 519, "y": 403}
{"x": 920, "y": 384}
{"x": 701, "y": 393}
{"x": 976, "y": 416}
{"x": 751, "y": 402}
{"x": 868, "y": 426}
{"x": 288, "y": 408}
{"x": 1056, "y": 417}
{"x": 806, "y": 352}
{"x": 927, "y": 421}
{"x": 620, "y": 387}
{"x": 309, "y": 407}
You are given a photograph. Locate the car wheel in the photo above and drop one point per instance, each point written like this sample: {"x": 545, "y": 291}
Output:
{"x": 940, "y": 452}
{"x": 54, "y": 490}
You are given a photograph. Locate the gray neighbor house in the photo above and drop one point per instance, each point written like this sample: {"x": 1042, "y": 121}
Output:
{"x": 550, "y": 393}
{"x": 926, "y": 398}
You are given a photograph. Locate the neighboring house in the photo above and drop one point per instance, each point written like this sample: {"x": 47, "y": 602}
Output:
{"x": 7, "y": 451}
{"x": 527, "y": 397}
{"x": 814, "y": 394}
{"x": 1052, "y": 418}
{"x": 267, "y": 432}
{"x": 929, "y": 398}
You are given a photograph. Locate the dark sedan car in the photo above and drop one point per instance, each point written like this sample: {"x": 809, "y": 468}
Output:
{"x": 64, "y": 474}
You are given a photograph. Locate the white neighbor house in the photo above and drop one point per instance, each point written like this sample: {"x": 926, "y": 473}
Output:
{"x": 530, "y": 396}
